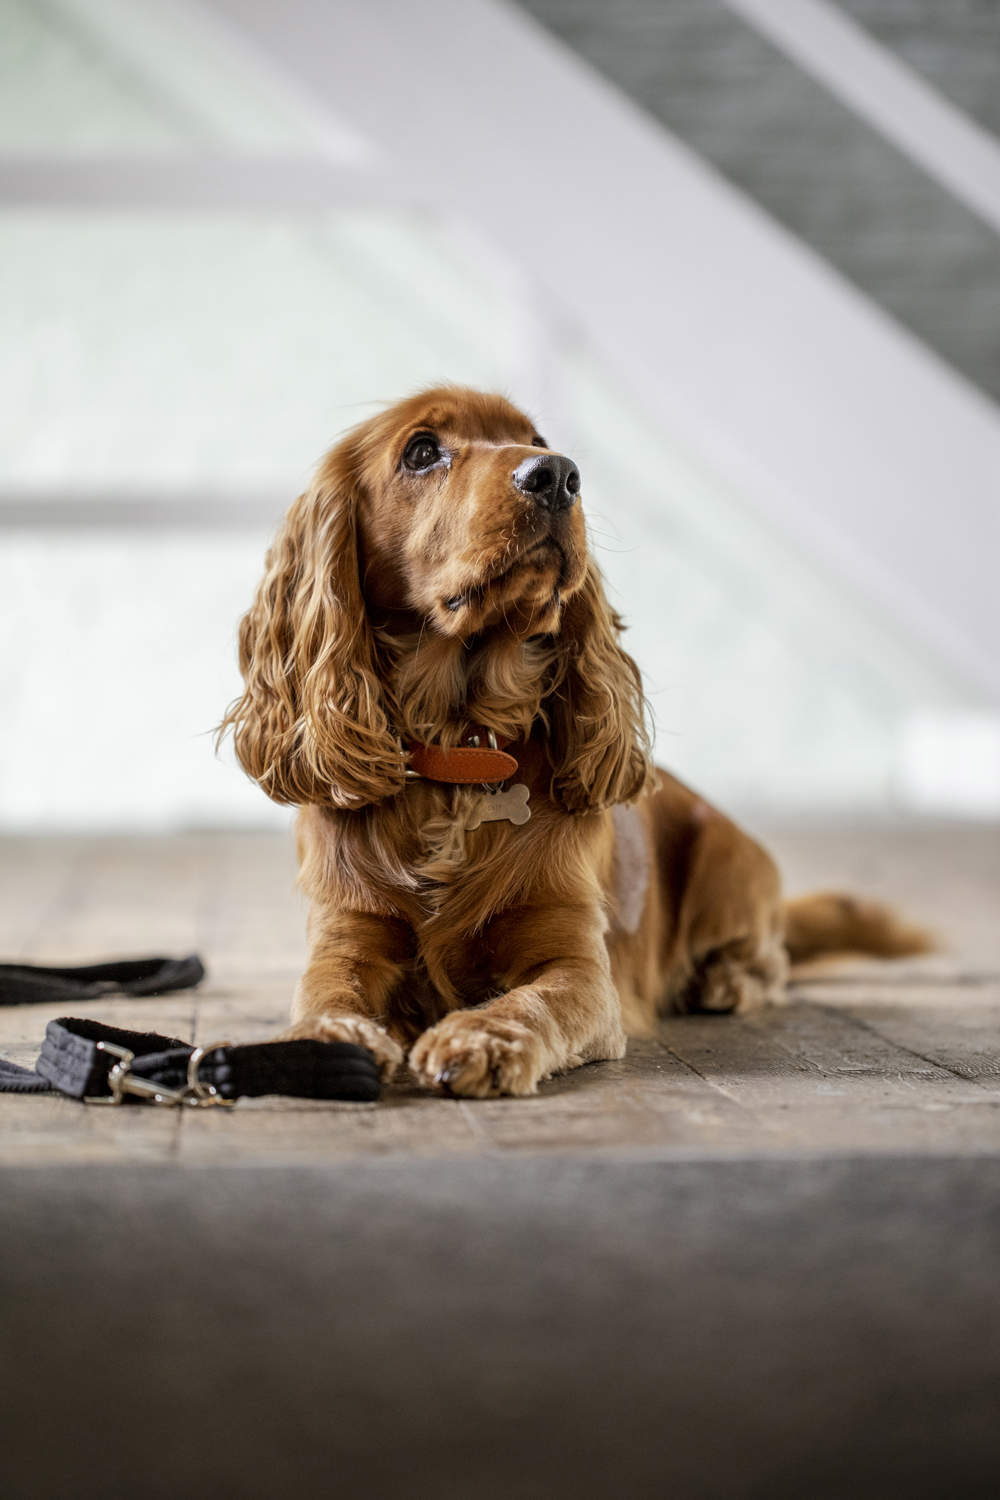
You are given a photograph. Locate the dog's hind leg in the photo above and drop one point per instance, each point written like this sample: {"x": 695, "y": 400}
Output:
{"x": 729, "y": 952}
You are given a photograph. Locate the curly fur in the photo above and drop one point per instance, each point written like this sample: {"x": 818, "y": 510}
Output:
{"x": 312, "y": 724}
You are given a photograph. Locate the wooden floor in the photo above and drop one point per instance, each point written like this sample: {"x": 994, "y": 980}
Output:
{"x": 864, "y": 1058}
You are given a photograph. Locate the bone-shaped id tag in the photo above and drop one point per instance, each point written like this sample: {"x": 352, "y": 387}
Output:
{"x": 510, "y": 805}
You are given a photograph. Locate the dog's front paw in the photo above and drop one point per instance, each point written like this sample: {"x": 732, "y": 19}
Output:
{"x": 355, "y": 1029}
{"x": 478, "y": 1057}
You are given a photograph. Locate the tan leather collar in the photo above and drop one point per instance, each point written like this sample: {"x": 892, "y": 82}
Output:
{"x": 467, "y": 764}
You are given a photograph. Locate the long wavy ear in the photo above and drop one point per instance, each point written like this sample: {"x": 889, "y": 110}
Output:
{"x": 598, "y": 736}
{"x": 311, "y": 725}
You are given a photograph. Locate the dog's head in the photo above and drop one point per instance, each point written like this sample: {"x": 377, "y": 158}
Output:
{"x": 465, "y": 516}
{"x": 449, "y": 515}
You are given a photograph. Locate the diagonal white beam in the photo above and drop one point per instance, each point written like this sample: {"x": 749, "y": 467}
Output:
{"x": 907, "y": 110}
{"x": 836, "y": 424}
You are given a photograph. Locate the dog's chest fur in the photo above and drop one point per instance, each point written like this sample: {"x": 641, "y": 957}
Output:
{"x": 413, "y": 859}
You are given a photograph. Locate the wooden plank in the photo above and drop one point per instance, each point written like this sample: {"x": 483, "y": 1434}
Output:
{"x": 816, "y": 1083}
{"x": 952, "y": 1029}
{"x": 36, "y": 877}
{"x": 257, "y": 925}
{"x": 44, "y": 1131}
{"x": 128, "y": 896}
{"x": 829, "y": 1039}
{"x": 647, "y": 1100}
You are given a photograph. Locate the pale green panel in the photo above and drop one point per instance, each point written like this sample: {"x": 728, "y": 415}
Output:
{"x": 118, "y": 78}
{"x": 229, "y": 352}
{"x": 770, "y": 685}
{"x": 60, "y": 90}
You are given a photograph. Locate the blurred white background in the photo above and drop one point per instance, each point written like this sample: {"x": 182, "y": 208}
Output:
{"x": 230, "y": 230}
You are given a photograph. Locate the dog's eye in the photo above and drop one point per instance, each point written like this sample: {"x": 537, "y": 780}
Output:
{"x": 538, "y": 441}
{"x": 422, "y": 452}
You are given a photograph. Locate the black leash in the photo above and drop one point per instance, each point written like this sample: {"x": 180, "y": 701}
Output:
{"x": 103, "y": 1064}
{"x": 31, "y": 984}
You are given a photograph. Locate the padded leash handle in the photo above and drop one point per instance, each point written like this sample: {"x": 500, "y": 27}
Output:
{"x": 102, "y": 1064}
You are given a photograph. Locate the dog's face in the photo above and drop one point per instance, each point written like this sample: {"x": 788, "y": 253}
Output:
{"x": 466, "y": 517}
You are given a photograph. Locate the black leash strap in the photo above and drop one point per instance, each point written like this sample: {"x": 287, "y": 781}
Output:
{"x": 31, "y": 984}
{"x": 103, "y": 1064}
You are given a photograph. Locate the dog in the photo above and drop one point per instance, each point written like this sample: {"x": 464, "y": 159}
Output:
{"x": 502, "y": 886}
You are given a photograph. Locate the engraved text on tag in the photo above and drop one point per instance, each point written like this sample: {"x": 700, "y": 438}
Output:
{"x": 510, "y": 805}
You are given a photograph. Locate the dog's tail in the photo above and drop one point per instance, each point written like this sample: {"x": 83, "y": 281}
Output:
{"x": 829, "y": 922}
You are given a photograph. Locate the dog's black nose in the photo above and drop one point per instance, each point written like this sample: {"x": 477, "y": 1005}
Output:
{"x": 551, "y": 480}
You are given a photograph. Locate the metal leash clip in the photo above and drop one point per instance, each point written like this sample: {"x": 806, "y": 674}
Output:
{"x": 196, "y": 1093}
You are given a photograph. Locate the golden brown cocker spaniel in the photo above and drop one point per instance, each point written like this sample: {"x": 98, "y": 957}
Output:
{"x": 539, "y": 890}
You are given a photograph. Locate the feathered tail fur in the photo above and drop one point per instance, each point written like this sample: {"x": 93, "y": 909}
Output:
{"x": 828, "y": 922}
